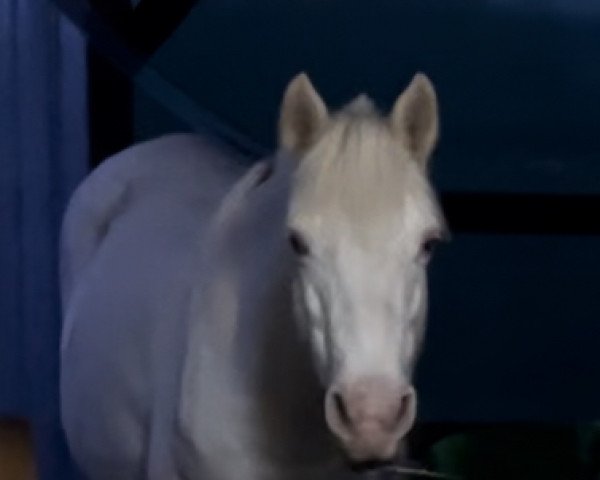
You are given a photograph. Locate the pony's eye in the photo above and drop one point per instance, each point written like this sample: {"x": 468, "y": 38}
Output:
{"x": 429, "y": 246}
{"x": 298, "y": 244}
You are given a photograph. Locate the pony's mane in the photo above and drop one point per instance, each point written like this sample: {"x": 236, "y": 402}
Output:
{"x": 360, "y": 106}
{"x": 359, "y": 169}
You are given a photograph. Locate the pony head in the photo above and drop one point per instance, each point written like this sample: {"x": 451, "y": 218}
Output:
{"x": 362, "y": 222}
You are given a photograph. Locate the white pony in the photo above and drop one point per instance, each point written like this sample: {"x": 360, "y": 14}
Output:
{"x": 228, "y": 325}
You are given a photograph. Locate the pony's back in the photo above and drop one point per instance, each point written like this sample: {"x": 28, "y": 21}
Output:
{"x": 188, "y": 163}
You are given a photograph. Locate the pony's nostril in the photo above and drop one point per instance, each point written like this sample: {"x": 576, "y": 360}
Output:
{"x": 403, "y": 407}
{"x": 406, "y": 411}
{"x": 342, "y": 411}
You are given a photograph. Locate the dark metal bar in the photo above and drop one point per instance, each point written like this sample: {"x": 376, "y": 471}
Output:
{"x": 518, "y": 213}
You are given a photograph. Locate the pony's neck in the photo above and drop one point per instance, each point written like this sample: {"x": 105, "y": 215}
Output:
{"x": 275, "y": 363}
{"x": 246, "y": 365}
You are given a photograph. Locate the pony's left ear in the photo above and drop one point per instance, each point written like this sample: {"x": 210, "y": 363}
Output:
{"x": 414, "y": 118}
{"x": 303, "y": 115}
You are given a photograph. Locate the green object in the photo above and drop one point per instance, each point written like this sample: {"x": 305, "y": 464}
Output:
{"x": 515, "y": 453}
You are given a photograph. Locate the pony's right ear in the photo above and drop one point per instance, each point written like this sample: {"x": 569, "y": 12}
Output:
{"x": 303, "y": 115}
{"x": 414, "y": 118}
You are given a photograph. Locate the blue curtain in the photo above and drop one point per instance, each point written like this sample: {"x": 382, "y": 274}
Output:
{"x": 43, "y": 155}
